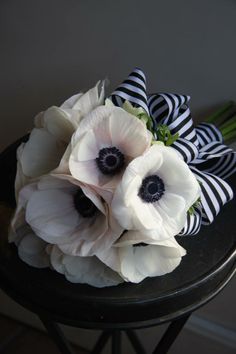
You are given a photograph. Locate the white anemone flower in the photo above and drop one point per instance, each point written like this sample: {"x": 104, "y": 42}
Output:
{"x": 108, "y": 139}
{"x": 155, "y": 193}
{"x": 52, "y": 133}
{"x": 88, "y": 270}
{"x": 135, "y": 260}
{"x": 31, "y": 249}
{"x": 64, "y": 213}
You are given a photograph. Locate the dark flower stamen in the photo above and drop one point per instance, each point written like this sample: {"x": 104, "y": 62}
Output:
{"x": 140, "y": 244}
{"x": 84, "y": 205}
{"x": 152, "y": 189}
{"x": 110, "y": 160}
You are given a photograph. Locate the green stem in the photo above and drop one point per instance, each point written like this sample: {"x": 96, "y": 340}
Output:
{"x": 229, "y": 136}
{"x": 228, "y": 128}
{"x": 216, "y": 115}
{"x": 228, "y": 122}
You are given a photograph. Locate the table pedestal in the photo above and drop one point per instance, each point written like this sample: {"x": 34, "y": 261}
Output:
{"x": 115, "y": 335}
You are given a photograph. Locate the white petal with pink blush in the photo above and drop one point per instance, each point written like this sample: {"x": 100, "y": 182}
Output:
{"x": 108, "y": 139}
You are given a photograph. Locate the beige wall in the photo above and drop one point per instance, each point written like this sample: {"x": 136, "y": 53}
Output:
{"x": 51, "y": 49}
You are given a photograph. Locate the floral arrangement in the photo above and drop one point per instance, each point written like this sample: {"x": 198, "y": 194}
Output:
{"x": 104, "y": 185}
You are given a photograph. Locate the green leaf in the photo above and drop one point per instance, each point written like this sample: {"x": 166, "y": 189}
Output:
{"x": 171, "y": 139}
{"x": 146, "y": 119}
{"x": 164, "y": 135}
{"x": 139, "y": 113}
{"x": 128, "y": 107}
{"x": 191, "y": 210}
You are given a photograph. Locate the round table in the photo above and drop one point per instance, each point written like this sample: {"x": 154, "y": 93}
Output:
{"x": 202, "y": 274}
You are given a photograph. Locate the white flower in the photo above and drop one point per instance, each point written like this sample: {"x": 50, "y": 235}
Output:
{"x": 21, "y": 179}
{"x": 31, "y": 249}
{"x": 108, "y": 139}
{"x": 64, "y": 213}
{"x": 135, "y": 260}
{"x": 155, "y": 193}
{"x": 87, "y": 270}
{"x": 51, "y": 135}
{"x": 84, "y": 103}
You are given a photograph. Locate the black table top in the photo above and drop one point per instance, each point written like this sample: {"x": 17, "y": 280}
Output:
{"x": 203, "y": 272}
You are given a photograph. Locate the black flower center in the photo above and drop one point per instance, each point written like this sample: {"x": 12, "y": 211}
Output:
{"x": 140, "y": 244}
{"x": 152, "y": 189}
{"x": 110, "y": 160}
{"x": 84, "y": 205}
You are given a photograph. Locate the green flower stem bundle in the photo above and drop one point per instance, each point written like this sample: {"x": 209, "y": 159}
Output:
{"x": 225, "y": 120}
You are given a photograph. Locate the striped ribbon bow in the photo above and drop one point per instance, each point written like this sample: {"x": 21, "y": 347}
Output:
{"x": 201, "y": 147}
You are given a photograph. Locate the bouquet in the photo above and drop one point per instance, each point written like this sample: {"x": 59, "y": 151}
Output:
{"x": 105, "y": 184}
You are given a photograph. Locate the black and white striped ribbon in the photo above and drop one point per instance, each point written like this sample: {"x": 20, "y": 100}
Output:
{"x": 224, "y": 167}
{"x": 212, "y": 149}
{"x": 221, "y": 157}
{"x": 133, "y": 89}
{"x": 172, "y": 110}
{"x": 186, "y": 149}
{"x": 193, "y": 222}
{"x": 196, "y": 145}
{"x": 215, "y": 192}
{"x": 207, "y": 133}
{"x": 164, "y": 108}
